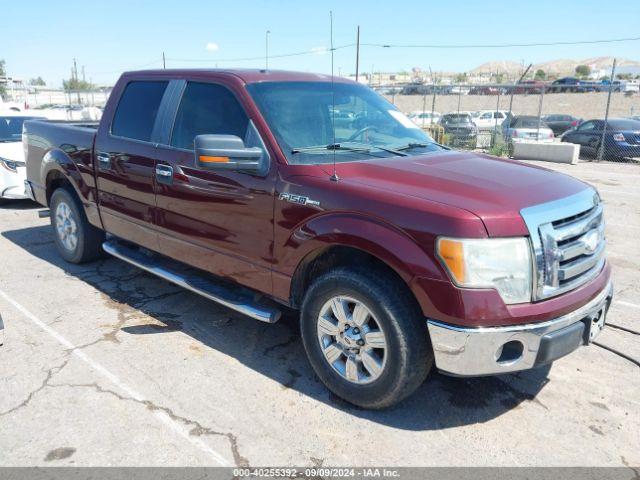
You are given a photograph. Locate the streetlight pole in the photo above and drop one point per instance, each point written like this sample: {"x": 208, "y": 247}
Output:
{"x": 266, "y": 49}
{"x": 357, "y": 53}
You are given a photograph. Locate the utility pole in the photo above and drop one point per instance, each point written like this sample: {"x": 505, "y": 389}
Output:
{"x": 513, "y": 90}
{"x": 75, "y": 77}
{"x": 357, "y": 52}
{"x": 266, "y": 49}
{"x": 164, "y": 61}
{"x": 606, "y": 112}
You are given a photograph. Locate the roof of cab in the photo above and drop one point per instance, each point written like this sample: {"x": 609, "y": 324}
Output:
{"x": 246, "y": 75}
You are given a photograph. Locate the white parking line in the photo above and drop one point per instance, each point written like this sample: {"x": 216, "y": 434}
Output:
{"x": 160, "y": 415}
{"x": 627, "y": 304}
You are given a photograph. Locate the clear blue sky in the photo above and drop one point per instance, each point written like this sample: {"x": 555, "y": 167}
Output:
{"x": 41, "y": 37}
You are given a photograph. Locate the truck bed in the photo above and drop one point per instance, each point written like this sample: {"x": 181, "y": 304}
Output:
{"x": 58, "y": 140}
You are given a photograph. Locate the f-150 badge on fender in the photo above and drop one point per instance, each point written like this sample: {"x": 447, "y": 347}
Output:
{"x": 299, "y": 199}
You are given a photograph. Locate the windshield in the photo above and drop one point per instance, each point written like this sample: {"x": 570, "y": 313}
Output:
{"x": 457, "y": 118}
{"x": 301, "y": 115}
{"x": 625, "y": 124}
{"x": 11, "y": 128}
{"x": 527, "y": 122}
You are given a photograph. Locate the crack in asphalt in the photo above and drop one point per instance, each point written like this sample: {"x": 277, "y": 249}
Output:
{"x": 293, "y": 338}
{"x": 197, "y": 430}
{"x": 131, "y": 304}
{"x": 45, "y": 383}
{"x": 635, "y": 470}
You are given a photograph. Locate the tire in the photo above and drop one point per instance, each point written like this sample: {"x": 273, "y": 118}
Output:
{"x": 76, "y": 239}
{"x": 400, "y": 366}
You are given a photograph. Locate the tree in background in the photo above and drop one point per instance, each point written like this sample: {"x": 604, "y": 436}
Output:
{"x": 3, "y": 92}
{"x": 540, "y": 75}
{"x": 499, "y": 77}
{"x": 37, "y": 82}
{"x": 583, "y": 70}
{"x": 461, "y": 78}
{"x": 75, "y": 84}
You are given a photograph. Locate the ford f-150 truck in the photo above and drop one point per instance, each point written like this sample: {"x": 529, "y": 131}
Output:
{"x": 266, "y": 190}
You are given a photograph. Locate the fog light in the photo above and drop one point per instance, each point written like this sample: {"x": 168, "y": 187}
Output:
{"x": 510, "y": 352}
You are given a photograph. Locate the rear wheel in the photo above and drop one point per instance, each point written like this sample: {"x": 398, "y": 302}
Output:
{"x": 76, "y": 239}
{"x": 365, "y": 337}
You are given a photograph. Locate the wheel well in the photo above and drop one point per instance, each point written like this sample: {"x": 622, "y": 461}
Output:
{"x": 56, "y": 180}
{"x": 319, "y": 262}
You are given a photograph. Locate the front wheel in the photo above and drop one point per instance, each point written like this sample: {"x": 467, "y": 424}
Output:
{"x": 76, "y": 239}
{"x": 365, "y": 337}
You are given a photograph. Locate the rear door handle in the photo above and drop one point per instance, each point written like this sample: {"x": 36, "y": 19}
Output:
{"x": 104, "y": 161}
{"x": 164, "y": 174}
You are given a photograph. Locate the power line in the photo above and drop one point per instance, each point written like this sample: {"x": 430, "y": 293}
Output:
{"x": 375, "y": 45}
{"x": 247, "y": 59}
{"x": 501, "y": 45}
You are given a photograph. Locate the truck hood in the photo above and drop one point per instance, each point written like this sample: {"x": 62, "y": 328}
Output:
{"x": 12, "y": 151}
{"x": 494, "y": 189}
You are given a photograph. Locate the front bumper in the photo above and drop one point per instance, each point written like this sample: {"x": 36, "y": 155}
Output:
{"x": 494, "y": 350}
{"x": 12, "y": 184}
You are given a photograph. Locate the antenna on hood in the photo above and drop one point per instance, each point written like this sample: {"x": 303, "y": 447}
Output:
{"x": 334, "y": 177}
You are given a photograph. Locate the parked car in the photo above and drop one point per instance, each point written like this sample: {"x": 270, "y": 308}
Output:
{"x": 473, "y": 113}
{"x": 460, "y": 130}
{"x": 560, "y": 123}
{"x": 484, "y": 91}
{"x": 533, "y": 87}
{"x": 490, "y": 119}
{"x": 622, "y": 138}
{"x": 421, "y": 118}
{"x": 565, "y": 84}
{"x": 12, "y": 164}
{"x": 400, "y": 254}
{"x": 523, "y": 128}
{"x": 10, "y": 106}
{"x": 459, "y": 90}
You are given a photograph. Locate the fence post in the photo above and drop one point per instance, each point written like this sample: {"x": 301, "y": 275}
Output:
{"x": 495, "y": 123}
{"x": 424, "y": 105}
{"x": 606, "y": 112}
{"x": 540, "y": 113}
{"x": 513, "y": 88}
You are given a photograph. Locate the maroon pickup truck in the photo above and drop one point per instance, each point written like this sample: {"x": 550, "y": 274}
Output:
{"x": 265, "y": 189}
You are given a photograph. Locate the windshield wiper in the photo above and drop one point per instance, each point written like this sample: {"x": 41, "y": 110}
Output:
{"x": 410, "y": 146}
{"x": 330, "y": 147}
{"x": 394, "y": 151}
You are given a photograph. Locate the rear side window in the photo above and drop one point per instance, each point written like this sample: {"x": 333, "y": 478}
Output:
{"x": 137, "y": 110}
{"x": 207, "y": 108}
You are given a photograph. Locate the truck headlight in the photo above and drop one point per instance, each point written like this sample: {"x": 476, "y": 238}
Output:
{"x": 10, "y": 165}
{"x": 500, "y": 263}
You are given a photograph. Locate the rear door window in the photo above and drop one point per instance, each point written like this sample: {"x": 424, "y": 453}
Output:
{"x": 137, "y": 110}
{"x": 207, "y": 108}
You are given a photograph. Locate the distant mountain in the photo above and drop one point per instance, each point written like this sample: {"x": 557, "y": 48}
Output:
{"x": 506, "y": 66}
{"x": 553, "y": 67}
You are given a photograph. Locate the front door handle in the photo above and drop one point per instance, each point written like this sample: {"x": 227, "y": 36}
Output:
{"x": 164, "y": 174}
{"x": 104, "y": 161}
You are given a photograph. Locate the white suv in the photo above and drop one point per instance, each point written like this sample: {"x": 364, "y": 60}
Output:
{"x": 490, "y": 119}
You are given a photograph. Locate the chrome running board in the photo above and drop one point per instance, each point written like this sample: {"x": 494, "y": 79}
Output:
{"x": 234, "y": 297}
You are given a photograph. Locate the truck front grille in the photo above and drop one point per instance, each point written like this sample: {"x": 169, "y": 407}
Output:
{"x": 568, "y": 242}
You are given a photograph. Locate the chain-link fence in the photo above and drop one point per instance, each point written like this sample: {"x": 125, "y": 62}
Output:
{"x": 603, "y": 118}
{"x": 59, "y": 104}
